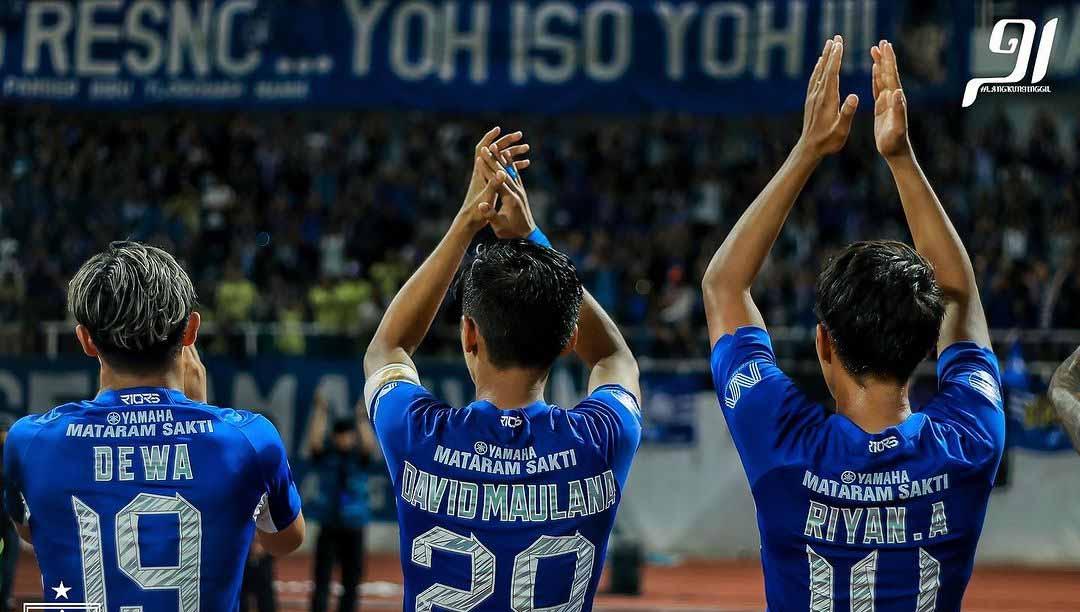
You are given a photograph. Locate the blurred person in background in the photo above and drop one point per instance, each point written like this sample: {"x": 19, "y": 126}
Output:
{"x": 9, "y": 553}
{"x": 236, "y": 297}
{"x": 1065, "y": 396}
{"x": 258, "y": 581}
{"x": 341, "y": 505}
{"x": 12, "y": 294}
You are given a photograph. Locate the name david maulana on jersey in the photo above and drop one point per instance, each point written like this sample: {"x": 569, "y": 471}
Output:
{"x": 507, "y": 502}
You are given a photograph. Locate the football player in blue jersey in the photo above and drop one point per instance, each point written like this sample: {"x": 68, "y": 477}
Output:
{"x": 145, "y": 497}
{"x": 875, "y": 506}
{"x": 505, "y": 503}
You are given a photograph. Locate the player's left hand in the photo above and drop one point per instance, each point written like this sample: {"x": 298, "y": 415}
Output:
{"x": 514, "y": 218}
{"x": 890, "y": 105}
{"x": 194, "y": 374}
{"x": 826, "y": 122}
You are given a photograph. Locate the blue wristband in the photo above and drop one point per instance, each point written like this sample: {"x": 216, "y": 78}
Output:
{"x": 538, "y": 237}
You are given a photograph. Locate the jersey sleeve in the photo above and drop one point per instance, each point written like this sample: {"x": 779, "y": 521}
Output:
{"x": 618, "y": 417}
{"x": 396, "y": 407}
{"x": 772, "y": 423}
{"x": 281, "y": 501}
{"x": 15, "y": 446}
{"x": 969, "y": 400}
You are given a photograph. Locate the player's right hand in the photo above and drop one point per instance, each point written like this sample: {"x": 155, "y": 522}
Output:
{"x": 826, "y": 124}
{"x": 510, "y": 147}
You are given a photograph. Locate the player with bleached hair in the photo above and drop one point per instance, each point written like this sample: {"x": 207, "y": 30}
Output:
{"x": 145, "y": 497}
{"x": 873, "y": 507}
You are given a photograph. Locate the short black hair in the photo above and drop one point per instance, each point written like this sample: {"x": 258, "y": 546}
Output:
{"x": 135, "y": 301}
{"x": 525, "y": 300}
{"x": 882, "y": 308}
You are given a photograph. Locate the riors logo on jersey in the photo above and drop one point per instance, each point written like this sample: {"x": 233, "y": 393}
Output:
{"x": 877, "y": 446}
{"x": 138, "y": 399}
{"x": 511, "y": 421}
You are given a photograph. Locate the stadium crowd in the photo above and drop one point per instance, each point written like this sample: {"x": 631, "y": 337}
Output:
{"x": 319, "y": 218}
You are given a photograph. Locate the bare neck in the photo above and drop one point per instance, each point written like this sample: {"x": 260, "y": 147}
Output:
{"x": 874, "y": 406}
{"x": 511, "y": 388}
{"x": 171, "y": 378}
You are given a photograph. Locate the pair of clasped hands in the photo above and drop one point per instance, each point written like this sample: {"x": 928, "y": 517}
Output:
{"x": 496, "y": 193}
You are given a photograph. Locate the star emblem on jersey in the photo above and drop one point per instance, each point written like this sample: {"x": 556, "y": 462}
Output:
{"x": 61, "y": 591}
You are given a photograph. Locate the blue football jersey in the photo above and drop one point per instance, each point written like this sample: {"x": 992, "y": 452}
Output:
{"x": 504, "y": 509}
{"x": 857, "y": 521}
{"x": 142, "y": 499}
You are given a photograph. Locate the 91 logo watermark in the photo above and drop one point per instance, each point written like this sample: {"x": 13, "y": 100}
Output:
{"x": 1021, "y": 47}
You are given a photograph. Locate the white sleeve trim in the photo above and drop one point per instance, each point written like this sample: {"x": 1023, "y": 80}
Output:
{"x": 386, "y": 374}
{"x": 263, "y": 521}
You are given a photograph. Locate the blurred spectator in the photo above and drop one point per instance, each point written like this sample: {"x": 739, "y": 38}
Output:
{"x": 315, "y": 217}
{"x": 9, "y": 558}
{"x": 236, "y": 296}
{"x": 258, "y": 581}
{"x": 341, "y": 507}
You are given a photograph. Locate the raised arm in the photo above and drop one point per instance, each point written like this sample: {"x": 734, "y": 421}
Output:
{"x": 731, "y": 273}
{"x": 600, "y": 344}
{"x": 933, "y": 233}
{"x": 602, "y": 347}
{"x": 1065, "y": 396}
{"x": 409, "y": 316}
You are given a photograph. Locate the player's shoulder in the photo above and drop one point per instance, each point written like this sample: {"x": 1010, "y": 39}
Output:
{"x": 401, "y": 396}
{"x": 744, "y": 339}
{"x": 608, "y": 397}
{"x": 971, "y": 368}
{"x": 33, "y": 423}
{"x": 248, "y": 423}
{"x": 732, "y": 354}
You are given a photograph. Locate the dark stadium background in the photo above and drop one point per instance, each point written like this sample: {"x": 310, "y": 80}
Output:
{"x": 298, "y": 224}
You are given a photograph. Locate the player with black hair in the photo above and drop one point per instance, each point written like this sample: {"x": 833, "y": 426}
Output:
{"x": 145, "y": 497}
{"x": 506, "y": 503}
{"x": 874, "y": 506}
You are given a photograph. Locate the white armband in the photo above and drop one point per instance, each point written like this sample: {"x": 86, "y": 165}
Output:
{"x": 386, "y": 374}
